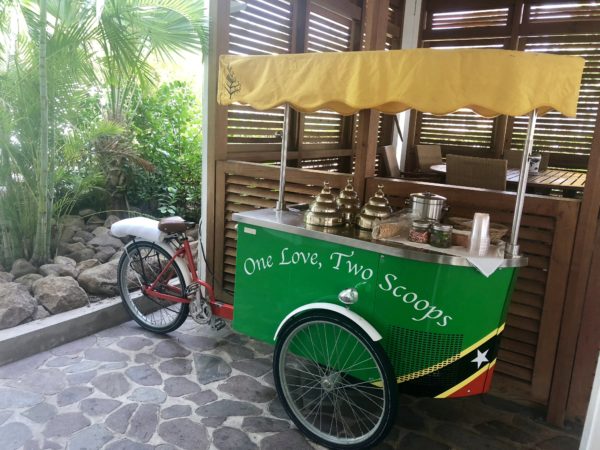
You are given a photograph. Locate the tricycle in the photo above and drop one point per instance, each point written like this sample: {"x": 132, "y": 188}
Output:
{"x": 354, "y": 320}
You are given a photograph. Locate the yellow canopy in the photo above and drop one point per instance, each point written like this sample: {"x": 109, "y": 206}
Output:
{"x": 490, "y": 82}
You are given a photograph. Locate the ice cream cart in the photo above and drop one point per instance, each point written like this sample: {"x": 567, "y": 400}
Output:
{"x": 354, "y": 319}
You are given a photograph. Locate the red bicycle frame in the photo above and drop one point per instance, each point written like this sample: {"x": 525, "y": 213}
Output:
{"x": 220, "y": 309}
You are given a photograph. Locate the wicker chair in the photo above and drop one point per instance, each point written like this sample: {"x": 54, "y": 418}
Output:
{"x": 484, "y": 173}
{"x": 427, "y": 156}
{"x": 513, "y": 157}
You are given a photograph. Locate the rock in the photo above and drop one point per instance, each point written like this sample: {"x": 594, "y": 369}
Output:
{"x": 100, "y": 231}
{"x": 59, "y": 294}
{"x": 105, "y": 355}
{"x": 226, "y": 408}
{"x": 90, "y": 438}
{"x": 22, "y": 267}
{"x": 116, "y": 256}
{"x": 210, "y": 368}
{"x": 16, "y": 305}
{"x": 144, "y": 375}
{"x": 87, "y": 264}
{"x": 264, "y": 425}
{"x": 176, "y": 366}
{"x": 194, "y": 249}
{"x": 83, "y": 235}
{"x": 83, "y": 254}
{"x": 106, "y": 240}
{"x": 40, "y": 313}
{"x": 15, "y": 398}
{"x": 228, "y": 438}
{"x": 86, "y": 212}
{"x": 67, "y": 233}
{"x": 170, "y": 349}
{"x": 65, "y": 248}
{"x": 98, "y": 406}
{"x": 71, "y": 221}
{"x": 184, "y": 434}
{"x": 14, "y": 435}
{"x": 193, "y": 233}
{"x": 134, "y": 343}
{"x": 64, "y": 260}
{"x": 100, "y": 280}
{"x": 286, "y": 440}
{"x": 255, "y": 367}
{"x": 41, "y": 412}
{"x": 119, "y": 420}
{"x": 202, "y": 398}
{"x": 148, "y": 395}
{"x": 178, "y": 386}
{"x": 28, "y": 280}
{"x": 112, "y": 384}
{"x": 65, "y": 424}
{"x": 104, "y": 254}
{"x": 72, "y": 395}
{"x": 95, "y": 220}
{"x": 110, "y": 220}
{"x": 144, "y": 423}
{"x": 246, "y": 388}
{"x": 59, "y": 270}
{"x": 6, "y": 277}
{"x": 176, "y": 411}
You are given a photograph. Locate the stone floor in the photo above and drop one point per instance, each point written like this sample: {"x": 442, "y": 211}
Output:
{"x": 125, "y": 388}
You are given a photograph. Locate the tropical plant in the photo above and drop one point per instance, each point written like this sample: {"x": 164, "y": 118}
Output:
{"x": 65, "y": 51}
{"x": 167, "y": 128}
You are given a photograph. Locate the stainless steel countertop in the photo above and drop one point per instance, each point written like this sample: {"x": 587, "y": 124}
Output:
{"x": 292, "y": 222}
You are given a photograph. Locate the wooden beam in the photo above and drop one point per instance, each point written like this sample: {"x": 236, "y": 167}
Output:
{"x": 215, "y": 117}
{"x": 374, "y": 28}
{"x": 579, "y": 274}
{"x": 587, "y": 343}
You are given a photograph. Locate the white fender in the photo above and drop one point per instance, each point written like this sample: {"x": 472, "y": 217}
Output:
{"x": 179, "y": 261}
{"x": 362, "y": 323}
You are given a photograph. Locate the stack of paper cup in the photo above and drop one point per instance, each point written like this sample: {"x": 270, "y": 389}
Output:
{"x": 479, "y": 241}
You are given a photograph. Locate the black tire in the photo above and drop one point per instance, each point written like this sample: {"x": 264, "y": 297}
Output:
{"x": 357, "y": 401}
{"x": 140, "y": 264}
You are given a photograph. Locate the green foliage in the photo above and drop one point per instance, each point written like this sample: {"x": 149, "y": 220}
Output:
{"x": 97, "y": 54}
{"x": 167, "y": 128}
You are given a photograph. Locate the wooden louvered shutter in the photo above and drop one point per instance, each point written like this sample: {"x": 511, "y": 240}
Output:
{"x": 465, "y": 24}
{"x": 462, "y": 129}
{"x": 568, "y": 140}
{"x": 262, "y": 28}
{"x": 327, "y": 31}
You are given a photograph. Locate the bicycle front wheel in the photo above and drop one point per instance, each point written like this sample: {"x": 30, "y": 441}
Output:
{"x": 335, "y": 383}
{"x": 139, "y": 267}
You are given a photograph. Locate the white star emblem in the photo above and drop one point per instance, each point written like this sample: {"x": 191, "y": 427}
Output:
{"x": 481, "y": 358}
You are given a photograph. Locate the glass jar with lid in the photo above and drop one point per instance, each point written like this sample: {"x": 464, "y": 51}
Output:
{"x": 441, "y": 235}
{"x": 419, "y": 231}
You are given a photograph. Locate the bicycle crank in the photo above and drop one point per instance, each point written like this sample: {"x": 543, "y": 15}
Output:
{"x": 199, "y": 308}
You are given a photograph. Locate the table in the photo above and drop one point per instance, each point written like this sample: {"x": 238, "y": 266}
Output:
{"x": 569, "y": 181}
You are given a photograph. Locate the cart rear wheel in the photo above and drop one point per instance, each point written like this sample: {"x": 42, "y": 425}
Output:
{"x": 139, "y": 266}
{"x": 335, "y": 383}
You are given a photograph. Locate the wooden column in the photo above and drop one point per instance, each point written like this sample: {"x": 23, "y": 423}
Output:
{"x": 374, "y": 29}
{"x": 215, "y": 129}
{"x": 581, "y": 278}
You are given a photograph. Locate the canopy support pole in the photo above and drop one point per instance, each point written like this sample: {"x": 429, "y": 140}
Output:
{"x": 283, "y": 162}
{"x": 512, "y": 249}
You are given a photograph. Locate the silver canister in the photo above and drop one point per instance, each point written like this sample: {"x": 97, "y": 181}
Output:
{"x": 427, "y": 205}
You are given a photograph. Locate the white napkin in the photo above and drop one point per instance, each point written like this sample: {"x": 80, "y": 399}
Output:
{"x": 485, "y": 265}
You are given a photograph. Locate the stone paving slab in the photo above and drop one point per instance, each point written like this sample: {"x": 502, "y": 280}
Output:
{"x": 127, "y": 389}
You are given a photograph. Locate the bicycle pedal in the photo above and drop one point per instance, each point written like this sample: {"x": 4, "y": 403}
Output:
{"x": 218, "y": 324}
